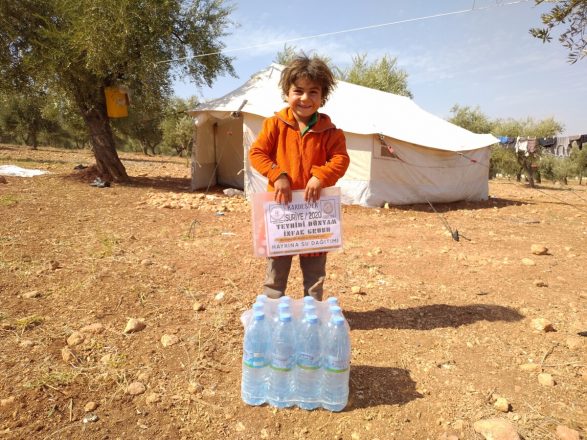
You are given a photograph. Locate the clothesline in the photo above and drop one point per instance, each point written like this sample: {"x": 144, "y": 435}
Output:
{"x": 559, "y": 145}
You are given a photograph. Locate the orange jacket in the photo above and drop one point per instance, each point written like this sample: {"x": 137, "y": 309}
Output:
{"x": 280, "y": 147}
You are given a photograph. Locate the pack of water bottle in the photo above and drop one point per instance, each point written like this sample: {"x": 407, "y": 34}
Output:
{"x": 296, "y": 353}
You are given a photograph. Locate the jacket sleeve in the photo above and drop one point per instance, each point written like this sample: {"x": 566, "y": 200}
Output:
{"x": 337, "y": 160}
{"x": 263, "y": 151}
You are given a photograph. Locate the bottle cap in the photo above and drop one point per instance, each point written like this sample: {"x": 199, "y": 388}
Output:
{"x": 283, "y": 308}
{"x": 333, "y": 301}
{"x": 261, "y": 298}
{"x": 309, "y": 309}
{"x": 285, "y": 317}
{"x": 258, "y": 316}
{"x": 337, "y": 320}
{"x": 312, "y": 319}
{"x": 309, "y": 300}
{"x": 285, "y": 299}
{"x": 258, "y": 307}
{"x": 335, "y": 309}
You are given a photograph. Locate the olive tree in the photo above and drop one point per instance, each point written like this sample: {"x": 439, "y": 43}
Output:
{"x": 78, "y": 47}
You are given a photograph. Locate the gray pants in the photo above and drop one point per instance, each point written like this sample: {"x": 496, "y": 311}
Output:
{"x": 313, "y": 271}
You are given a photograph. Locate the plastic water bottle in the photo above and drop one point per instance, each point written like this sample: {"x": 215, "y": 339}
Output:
{"x": 336, "y": 363}
{"x": 255, "y": 360}
{"x": 337, "y": 311}
{"x": 308, "y": 370}
{"x": 281, "y": 379}
{"x": 282, "y": 307}
{"x": 332, "y": 301}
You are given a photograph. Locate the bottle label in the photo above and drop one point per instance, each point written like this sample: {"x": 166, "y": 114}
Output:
{"x": 336, "y": 365}
{"x": 254, "y": 360}
{"x": 308, "y": 361}
{"x": 281, "y": 364}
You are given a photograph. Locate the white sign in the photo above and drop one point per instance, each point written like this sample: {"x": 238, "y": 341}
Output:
{"x": 298, "y": 228}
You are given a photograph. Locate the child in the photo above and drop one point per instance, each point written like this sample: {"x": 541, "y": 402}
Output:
{"x": 299, "y": 148}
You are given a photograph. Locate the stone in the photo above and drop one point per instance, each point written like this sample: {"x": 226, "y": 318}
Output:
{"x": 240, "y": 427}
{"x": 496, "y": 429}
{"x": 219, "y": 296}
{"x": 106, "y": 359}
{"x": 76, "y": 338}
{"x": 528, "y": 262}
{"x": 95, "y": 328}
{"x": 7, "y": 401}
{"x": 146, "y": 262}
{"x": 27, "y": 343}
{"x": 574, "y": 342}
{"x": 194, "y": 388}
{"x": 357, "y": 290}
{"x": 136, "y": 388}
{"x": 169, "y": 340}
{"x": 134, "y": 325}
{"x": 153, "y": 398}
{"x": 539, "y": 249}
{"x": 540, "y": 283}
{"x": 530, "y": 367}
{"x": 32, "y": 294}
{"x": 501, "y": 404}
{"x": 566, "y": 433}
{"x": 546, "y": 379}
{"x": 90, "y": 406}
{"x": 68, "y": 355}
{"x": 542, "y": 325}
{"x": 198, "y": 307}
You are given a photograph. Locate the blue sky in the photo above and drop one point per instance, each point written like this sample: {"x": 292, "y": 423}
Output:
{"x": 483, "y": 57}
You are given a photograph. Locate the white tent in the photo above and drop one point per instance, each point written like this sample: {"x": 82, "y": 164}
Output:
{"x": 435, "y": 160}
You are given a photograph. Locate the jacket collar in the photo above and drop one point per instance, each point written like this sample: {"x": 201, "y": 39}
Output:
{"x": 323, "y": 123}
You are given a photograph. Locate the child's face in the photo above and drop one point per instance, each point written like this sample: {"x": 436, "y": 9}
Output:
{"x": 304, "y": 99}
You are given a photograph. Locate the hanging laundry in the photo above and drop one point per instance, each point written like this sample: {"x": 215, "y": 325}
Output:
{"x": 521, "y": 144}
{"x": 532, "y": 145}
{"x": 562, "y": 146}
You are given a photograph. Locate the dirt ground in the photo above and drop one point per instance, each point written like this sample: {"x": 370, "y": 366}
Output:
{"x": 440, "y": 329}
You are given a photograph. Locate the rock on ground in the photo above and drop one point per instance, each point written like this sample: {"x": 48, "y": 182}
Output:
{"x": 136, "y": 388}
{"x": 565, "y": 433}
{"x": 539, "y": 249}
{"x": 169, "y": 340}
{"x": 496, "y": 429}
{"x": 134, "y": 325}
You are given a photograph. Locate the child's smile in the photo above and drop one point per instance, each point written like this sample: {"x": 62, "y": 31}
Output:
{"x": 304, "y": 99}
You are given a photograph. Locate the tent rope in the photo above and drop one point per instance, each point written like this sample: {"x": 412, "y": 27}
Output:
{"x": 453, "y": 233}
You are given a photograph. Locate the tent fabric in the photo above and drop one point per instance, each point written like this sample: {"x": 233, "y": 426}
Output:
{"x": 436, "y": 161}
{"x": 394, "y": 116}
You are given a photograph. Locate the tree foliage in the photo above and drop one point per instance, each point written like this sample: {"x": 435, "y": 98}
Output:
{"x": 76, "y": 48}
{"x": 471, "y": 119}
{"x": 573, "y": 14}
{"x": 382, "y": 74}
{"x": 507, "y": 161}
{"x": 178, "y": 128}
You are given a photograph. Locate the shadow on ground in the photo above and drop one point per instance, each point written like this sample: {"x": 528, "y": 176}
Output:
{"x": 430, "y": 317}
{"x": 374, "y": 386}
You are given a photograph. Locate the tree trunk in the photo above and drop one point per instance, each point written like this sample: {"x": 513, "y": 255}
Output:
{"x": 107, "y": 161}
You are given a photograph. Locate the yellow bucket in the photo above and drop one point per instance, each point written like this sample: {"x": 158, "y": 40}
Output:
{"x": 116, "y": 101}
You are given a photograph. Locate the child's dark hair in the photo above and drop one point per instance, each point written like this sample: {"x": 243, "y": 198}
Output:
{"x": 314, "y": 69}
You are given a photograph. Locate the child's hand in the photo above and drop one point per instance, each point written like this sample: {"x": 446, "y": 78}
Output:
{"x": 313, "y": 188}
{"x": 282, "y": 189}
